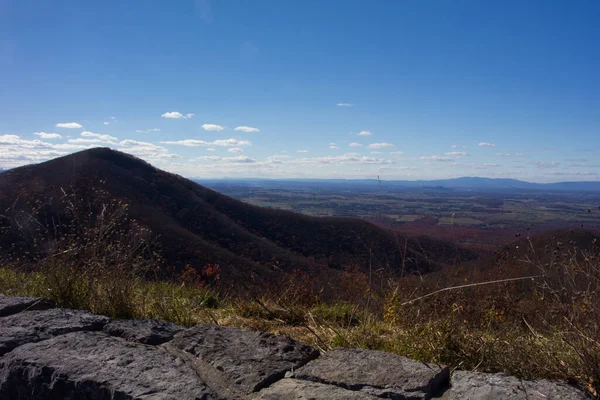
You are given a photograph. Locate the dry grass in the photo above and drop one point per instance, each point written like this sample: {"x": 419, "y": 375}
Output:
{"x": 542, "y": 327}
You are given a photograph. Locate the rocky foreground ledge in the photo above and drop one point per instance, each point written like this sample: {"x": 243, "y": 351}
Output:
{"x": 51, "y": 353}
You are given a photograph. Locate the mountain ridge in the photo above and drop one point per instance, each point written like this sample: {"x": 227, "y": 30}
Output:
{"x": 198, "y": 226}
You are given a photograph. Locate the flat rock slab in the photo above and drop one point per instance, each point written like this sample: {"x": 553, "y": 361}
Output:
{"x": 246, "y": 361}
{"x": 146, "y": 331}
{"x": 95, "y": 366}
{"x": 34, "y": 326}
{"x": 294, "y": 389}
{"x": 10, "y": 305}
{"x": 376, "y": 373}
{"x": 480, "y": 386}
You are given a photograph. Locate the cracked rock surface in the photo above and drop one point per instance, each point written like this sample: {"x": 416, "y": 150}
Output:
{"x": 377, "y": 373}
{"x": 48, "y": 353}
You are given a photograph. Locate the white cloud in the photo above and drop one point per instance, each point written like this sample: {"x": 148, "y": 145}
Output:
{"x": 147, "y": 151}
{"x": 45, "y": 135}
{"x": 364, "y": 133}
{"x": 148, "y": 130}
{"x": 345, "y": 105}
{"x": 237, "y": 159}
{"x": 355, "y": 145}
{"x": 199, "y": 143}
{"x": 544, "y": 164}
{"x": 301, "y": 151}
{"x": 491, "y": 165}
{"x": 396, "y": 153}
{"x": 210, "y": 149}
{"x": 15, "y": 151}
{"x": 176, "y": 115}
{"x": 235, "y": 150}
{"x": 350, "y": 158}
{"x": 436, "y": 158}
{"x": 457, "y": 154}
{"x": 212, "y": 127}
{"x": 567, "y": 173}
{"x": 93, "y": 138}
{"x": 247, "y": 129}
{"x": 232, "y": 142}
{"x": 277, "y": 159}
{"x": 486, "y": 144}
{"x": 106, "y": 122}
{"x": 379, "y": 145}
{"x": 69, "y": 125}
{"x": 188, "y": 143}
{"x": 333, "y": 146}
{"x": 511, "y": 155}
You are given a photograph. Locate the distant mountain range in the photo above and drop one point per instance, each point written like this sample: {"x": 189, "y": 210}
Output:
{"x": 195, "y": 225}
{"x": 464, "y": 183}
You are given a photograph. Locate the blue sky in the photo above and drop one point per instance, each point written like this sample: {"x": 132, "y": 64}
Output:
{"x": 322, "y": 89}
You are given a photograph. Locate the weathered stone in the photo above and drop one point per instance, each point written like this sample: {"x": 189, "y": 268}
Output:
{"x": 294, "y": 389}
{"x": 481, "y": 386}
{"x": 95, "y": 366}
{"x": 34, "y": 326}
{"x": 12, "y": 304}
{"x": 376, "y": 373}
{"x": 245, "y": 360}
{"x": 146, "y": 331}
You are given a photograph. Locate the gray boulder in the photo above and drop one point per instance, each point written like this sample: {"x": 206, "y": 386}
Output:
{"x": 376, "y": 373}
{"x": 146, "y": 331}
{"x": 242, "y": 360}
{"x": 294, "y": 389}
{"x": 481, "y": 386}
{"x": 13, "y": 304}
{"x": 34, "y": 326}
{"x": 95, "y": 366}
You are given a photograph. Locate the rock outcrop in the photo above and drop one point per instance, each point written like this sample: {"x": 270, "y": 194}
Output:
{"x": 50, "y": 353}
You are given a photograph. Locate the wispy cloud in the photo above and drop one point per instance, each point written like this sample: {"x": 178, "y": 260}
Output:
{"x": 147, "y": 130}
{"x": 201, "y": 143}
{"x": 333, "y": 146}
{"x": 568, "y": 173}
{"x": 436, "y": 158}
{"x": 247, "y": 129}
{"x": 212, "y": 127}
{"x": 355, "y": 145}
{"x": 69, "y": 125}
{"x": 486, "y": 144}
{"x": 44, "y": 135}
{"x": 147, "y": 151}
{"x": 237, "y": 159}
{"x": 235, "y": 150}
{"x": 94, "y": 138}
{"x": 177, "y": 115}
{"x": 301, "y": 151}
{"x": 396, "y": 153}
{"x": 15, "y": 151}
{"x": 546, "y": 164}
{"x": 382, "y": 145}
{"x": 457, "y": 154}
{"x": 364, "y": 133}
{"x": 511, "y": 155}
{"x": 345, "y": 105}
{"x": 350, "y": 158}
